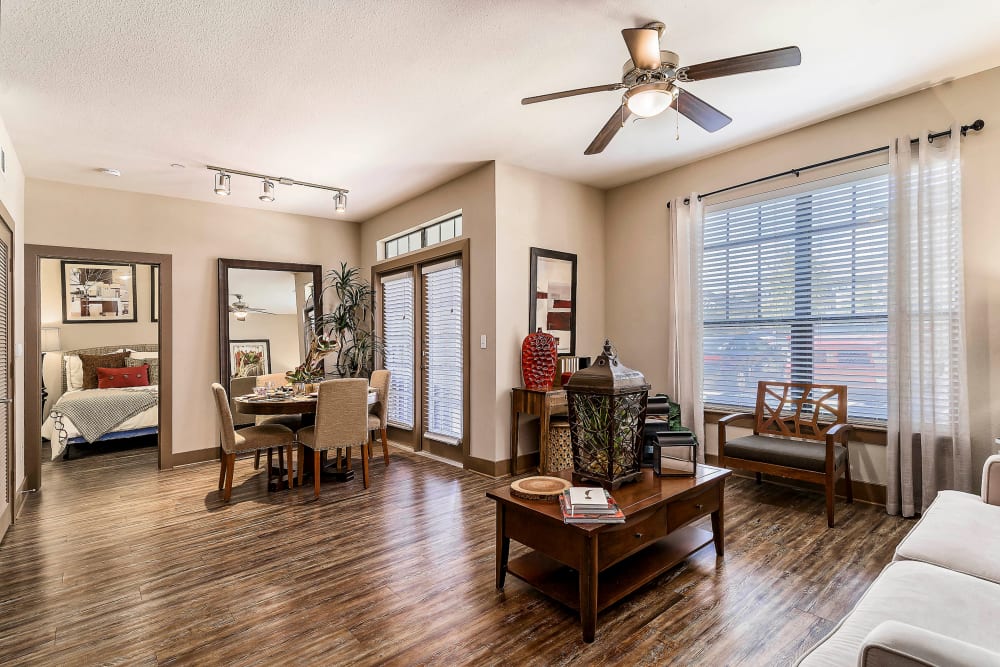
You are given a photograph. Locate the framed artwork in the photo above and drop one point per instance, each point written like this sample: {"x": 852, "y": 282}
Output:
{"x": 154, "y": 293}
{"x": 97, "y": 292}
{"x": 250, "y": 358}
{"x": 552, "y": 305}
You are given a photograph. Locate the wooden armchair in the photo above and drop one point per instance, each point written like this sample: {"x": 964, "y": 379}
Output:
{"x": 800, "y": 431}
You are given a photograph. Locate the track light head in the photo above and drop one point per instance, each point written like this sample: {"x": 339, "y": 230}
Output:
{"x": 222, "y": 184}
{"x": 268, "y": 193}
{"x": 340, "y": 202}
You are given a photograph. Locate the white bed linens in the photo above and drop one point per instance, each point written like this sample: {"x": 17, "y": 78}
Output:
{"x": 145, "y": 419}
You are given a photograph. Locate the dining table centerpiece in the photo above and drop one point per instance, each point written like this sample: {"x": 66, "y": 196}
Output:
{"x": 312, "y": 370}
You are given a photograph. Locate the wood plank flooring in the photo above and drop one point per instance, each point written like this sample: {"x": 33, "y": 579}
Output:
{"x": 113, "y": 563}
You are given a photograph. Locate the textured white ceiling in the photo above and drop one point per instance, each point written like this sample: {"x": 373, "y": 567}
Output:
{"x": 389, "y": 99}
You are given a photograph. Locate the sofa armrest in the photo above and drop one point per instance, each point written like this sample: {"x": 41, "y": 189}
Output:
{"x": 895, "y": 644}
{"x": 991, "y": 480}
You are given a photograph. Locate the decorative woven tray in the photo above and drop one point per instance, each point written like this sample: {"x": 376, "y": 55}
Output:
{"x": 539, "y": 488}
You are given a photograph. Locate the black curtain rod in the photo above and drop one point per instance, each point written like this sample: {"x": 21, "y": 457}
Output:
{"x": 975, "y": 126}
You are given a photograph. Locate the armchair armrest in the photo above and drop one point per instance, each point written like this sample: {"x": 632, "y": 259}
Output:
{"x": 991, "y": 480}
{"x": 729, "y": 419}
{"x": 895, "y": 644}
{"x": 837, "y": 429}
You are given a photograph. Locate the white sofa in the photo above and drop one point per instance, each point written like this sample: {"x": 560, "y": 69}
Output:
{"x": 938, "y": 603}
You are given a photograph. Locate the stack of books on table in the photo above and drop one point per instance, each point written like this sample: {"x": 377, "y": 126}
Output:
{"x": 589, "y": 504}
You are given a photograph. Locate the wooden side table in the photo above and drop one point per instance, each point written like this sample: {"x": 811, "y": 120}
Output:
{"x": 542, "y": 404}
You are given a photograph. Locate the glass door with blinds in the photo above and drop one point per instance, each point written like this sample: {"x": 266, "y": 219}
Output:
{"x": 442, "y": 358}
{"x": 398, "y": 319}
{"x": 7, "y": 487}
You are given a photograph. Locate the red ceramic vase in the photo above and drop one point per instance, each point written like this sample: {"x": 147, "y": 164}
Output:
{"x": 539, "y": 354}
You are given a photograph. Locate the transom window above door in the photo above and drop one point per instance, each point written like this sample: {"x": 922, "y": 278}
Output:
{"x": 423, "y": 237}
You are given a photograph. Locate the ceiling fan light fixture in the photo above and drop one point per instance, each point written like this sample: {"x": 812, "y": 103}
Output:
{"x": 650, "y": 99}
{"x": 268, "y": 193}
{"x": 241, "y": 315}
{"x": 222, "y": 184}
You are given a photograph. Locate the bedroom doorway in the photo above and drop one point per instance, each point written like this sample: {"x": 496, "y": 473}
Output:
{"x": 88, "y": 309}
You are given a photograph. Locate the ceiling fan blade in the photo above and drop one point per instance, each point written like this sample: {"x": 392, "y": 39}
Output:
{"x": 788, "y": 56}
{"x": 644, "y": 47}
{"x": 608, "y": 132}
{"x": 571, "y": 93}
{"x": 699, "y": 111}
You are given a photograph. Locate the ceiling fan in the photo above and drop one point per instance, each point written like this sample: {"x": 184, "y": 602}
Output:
{"x": 240, "y": 308}
{"x": 650, "y": 77}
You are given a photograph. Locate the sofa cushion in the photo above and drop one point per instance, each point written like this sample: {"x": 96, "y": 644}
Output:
{"x": 784, "y": 452}
{"x": 922, "y": 595}
{"x": 958, "y": 531}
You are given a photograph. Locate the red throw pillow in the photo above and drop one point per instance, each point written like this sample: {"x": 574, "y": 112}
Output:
{"x": 115, "y": 378}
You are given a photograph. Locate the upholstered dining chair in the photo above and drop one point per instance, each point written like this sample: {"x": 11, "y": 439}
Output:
{"x": 254, "y": 438}
{"x": 341, "y": 421}
{"x": 293, "y": 422}
{"x": 378, "y": 412}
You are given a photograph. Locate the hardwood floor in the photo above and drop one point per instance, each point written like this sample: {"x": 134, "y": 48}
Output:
{"x": 114, "y": 563}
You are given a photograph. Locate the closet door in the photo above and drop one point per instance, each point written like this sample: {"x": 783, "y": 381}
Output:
{"x": 7, "y": 488}
{"x": 443, "y": 359}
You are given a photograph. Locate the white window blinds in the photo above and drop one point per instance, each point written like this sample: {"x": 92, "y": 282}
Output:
{"x": 795, "y": 289}
{"x": 397, "y": 336}
{"x": 443, "y": 352}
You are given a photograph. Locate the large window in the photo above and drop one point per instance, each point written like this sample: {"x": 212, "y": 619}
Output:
{"x": 795, "y": 288}
{"x": 426, "y": 236}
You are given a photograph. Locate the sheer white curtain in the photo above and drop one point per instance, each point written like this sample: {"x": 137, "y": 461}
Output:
{"x": 685, "y": 365}
{"x": 929, "y": 446}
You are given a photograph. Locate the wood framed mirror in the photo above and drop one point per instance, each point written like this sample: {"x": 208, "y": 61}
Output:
{"x": 265, "y": 306}
{"x": 552, "y": 296}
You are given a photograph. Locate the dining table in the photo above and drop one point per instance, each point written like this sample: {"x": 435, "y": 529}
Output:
{"x": 287, "y": 403}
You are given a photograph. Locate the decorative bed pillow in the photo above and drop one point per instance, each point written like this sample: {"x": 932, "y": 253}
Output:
{"x": 115, "y": 378}
{"x": 152, "y": 364}
{"x": 91, "y": 362}
{"x": 74, "y": 372}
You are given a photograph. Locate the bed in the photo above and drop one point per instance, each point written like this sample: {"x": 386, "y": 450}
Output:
{"x": 74, "y": 415}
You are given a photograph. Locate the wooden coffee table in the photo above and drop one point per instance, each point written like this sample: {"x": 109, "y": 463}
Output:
{"x": 590, "y": 567}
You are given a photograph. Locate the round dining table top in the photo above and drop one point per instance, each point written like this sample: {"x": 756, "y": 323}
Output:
{"x": 290, "y": 405}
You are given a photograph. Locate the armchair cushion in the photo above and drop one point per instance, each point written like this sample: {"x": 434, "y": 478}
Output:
{"x": 783, "y": 452}
{"x": 895, "y": 644}
{"x": 921, "y": 595}
{"x": 958, "y": 531}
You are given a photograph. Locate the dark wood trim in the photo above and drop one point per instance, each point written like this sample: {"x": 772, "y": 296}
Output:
{"x": 194, "y": 456}
{"x": 501, "y": 468}
{"x": 6, "y": 519}
{"x": 866, "y": 492}
{"x": 224, "y": 265}
{"x": 866, "y": 433}
{"x": 62, "y": 291}
{"x": 154, "y": 283}
{"x": 533, "y": 290}
{"x": 20, "y": 495}
{"x": 33, "y": 254}
{"x": 413, "y": 261}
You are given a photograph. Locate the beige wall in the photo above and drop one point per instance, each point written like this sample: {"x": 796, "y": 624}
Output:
{"x": 12, "y": 201}
{"x": 539, "y": 210}
{"x": 281, "y": 330}
{"x": 636, "y": 237}
{"x": 474, "y": 194}
{"x": 196, "y": 234}
{"x": 76, "y": 336}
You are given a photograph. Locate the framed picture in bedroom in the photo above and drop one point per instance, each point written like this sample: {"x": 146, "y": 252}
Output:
{"x": 97, "y": 292}
{"x": 552, "y": 300}
{"x": 249, "y": 358}
{"x": 154, "y": 293}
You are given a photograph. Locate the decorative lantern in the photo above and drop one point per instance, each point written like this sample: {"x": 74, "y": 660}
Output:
{"x": 607, "y": 410}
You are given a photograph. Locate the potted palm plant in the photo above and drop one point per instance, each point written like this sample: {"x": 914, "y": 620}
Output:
{"x": 350, "y": 326}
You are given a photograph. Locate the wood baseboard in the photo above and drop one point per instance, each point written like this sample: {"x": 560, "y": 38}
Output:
{"x": 19, "y": 497}
{"x": 194, "y": 456}
{"x": 865, "y": 492}
{"x": 525, "y": 462}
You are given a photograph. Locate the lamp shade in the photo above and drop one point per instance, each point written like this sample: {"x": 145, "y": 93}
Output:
{"x": 50, "y": 339}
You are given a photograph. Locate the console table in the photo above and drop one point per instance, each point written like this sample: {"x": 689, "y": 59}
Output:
{"x": 542, "y": 404}
{"x": 589, "y": 567}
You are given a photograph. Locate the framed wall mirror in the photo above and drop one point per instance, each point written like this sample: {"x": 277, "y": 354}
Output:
{"x": 265, "y": 319}
{"x": 552, "y": 297}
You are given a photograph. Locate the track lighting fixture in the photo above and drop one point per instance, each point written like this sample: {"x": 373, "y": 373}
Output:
{"x": 268, "y": 194}
{"x": 267, "y": 182}
{"x": 222, "y": 184}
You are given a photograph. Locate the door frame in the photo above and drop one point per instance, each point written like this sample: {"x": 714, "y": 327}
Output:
{"x": 413, "y": 261}
{"x": 33, "y": 255}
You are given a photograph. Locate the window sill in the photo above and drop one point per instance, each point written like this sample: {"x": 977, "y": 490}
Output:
{"x": 866, "y": 433}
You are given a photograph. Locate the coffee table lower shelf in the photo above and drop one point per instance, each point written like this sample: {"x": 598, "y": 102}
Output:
{"x": 562, "y": 583}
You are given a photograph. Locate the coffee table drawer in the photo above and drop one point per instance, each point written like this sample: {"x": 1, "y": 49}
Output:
{"x": 619, "y": 541}
{"x": 682, "y": 511}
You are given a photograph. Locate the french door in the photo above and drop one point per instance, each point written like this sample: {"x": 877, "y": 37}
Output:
{"x": 423, "y": 325}
{"x": 7, "y": 486}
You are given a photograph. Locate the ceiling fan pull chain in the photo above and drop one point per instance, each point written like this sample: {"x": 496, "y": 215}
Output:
{"x": 677, "y": 125}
